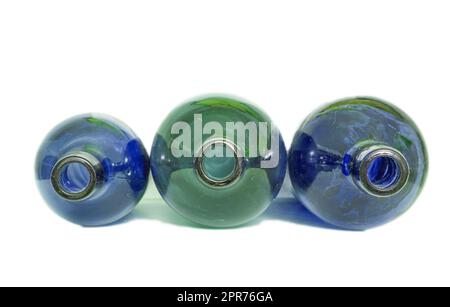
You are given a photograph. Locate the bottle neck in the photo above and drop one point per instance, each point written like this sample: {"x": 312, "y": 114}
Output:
{"x": 77, "y": 176}
{"x": 380, "y": 170}
{"x": 219, "y": 163}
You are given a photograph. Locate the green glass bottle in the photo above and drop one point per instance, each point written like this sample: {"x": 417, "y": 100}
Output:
{"x": 218, "y": 161}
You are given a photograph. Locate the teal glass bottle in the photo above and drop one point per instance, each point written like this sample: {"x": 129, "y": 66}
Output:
{"x": 92, "y": 170}
{"x": 358, "y": 163}
{"x": 218, "y": 161}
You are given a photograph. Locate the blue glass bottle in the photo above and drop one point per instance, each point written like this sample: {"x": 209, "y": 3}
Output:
{"x": 358, "y": 163}
{"x": 92, "y": 170}
{"x": 218, "y": 161}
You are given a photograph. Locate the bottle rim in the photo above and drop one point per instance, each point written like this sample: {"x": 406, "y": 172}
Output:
{"x": 90, "y": 163}
{"x": 238, "y": 163}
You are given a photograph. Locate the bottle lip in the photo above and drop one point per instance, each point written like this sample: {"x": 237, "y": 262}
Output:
{"x": 238, "y": 167}
{"x": 91, "y": 164}
{"x": 365, "y": 160}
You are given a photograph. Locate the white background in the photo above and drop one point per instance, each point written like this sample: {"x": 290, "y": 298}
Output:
{"x": 136, "y": 60}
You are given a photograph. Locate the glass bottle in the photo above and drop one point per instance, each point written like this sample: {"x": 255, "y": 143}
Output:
{"x": 218, "y": 161}
{"x": 92, "y": 170}
{"x": 358, "y": 163}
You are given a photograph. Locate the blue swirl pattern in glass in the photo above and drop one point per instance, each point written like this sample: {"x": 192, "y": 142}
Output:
{"x": 358, "y": 163}
{"x": 92, "y": 170}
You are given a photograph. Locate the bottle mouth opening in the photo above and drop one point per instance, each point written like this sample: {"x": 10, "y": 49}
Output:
{"x": 383, "y": 171}
{"x": 75, "y": 177}
{"x": 219, "y": 163}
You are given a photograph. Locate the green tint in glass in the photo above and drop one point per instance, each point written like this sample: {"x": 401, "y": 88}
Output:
{"x": 222, "y": 183}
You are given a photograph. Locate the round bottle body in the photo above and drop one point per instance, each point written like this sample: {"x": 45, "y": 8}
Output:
{"x": 218, "y": 161}
{"x": 92, "y": 170}
{"x": 358, "y": 163}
